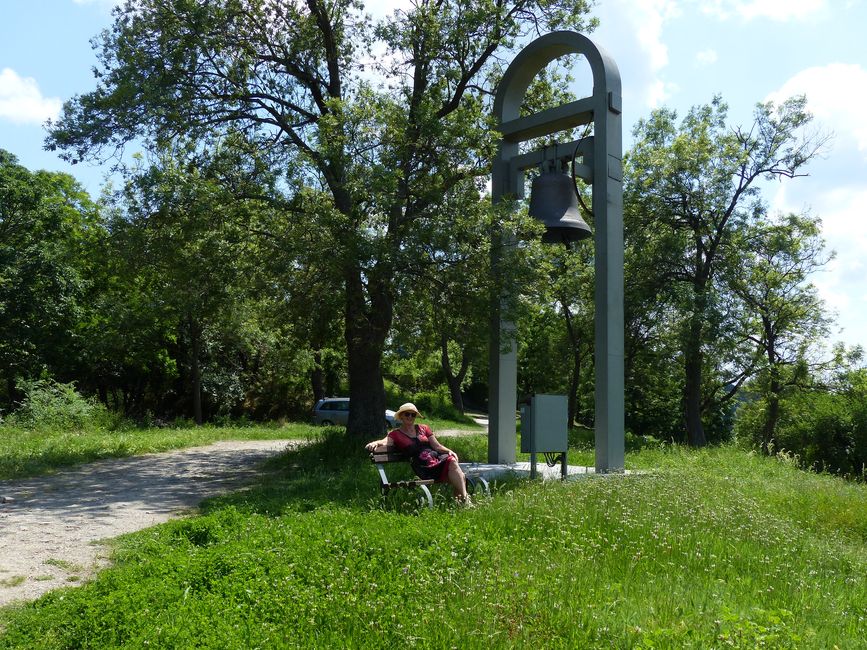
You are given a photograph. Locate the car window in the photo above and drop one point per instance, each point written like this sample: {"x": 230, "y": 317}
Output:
{"x": 335, "y": 405}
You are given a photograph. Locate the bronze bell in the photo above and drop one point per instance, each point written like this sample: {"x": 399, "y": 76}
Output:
{"x": 554, "y": 202}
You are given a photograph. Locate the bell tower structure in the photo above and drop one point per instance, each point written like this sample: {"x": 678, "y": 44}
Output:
{"x": 602, "y": 167}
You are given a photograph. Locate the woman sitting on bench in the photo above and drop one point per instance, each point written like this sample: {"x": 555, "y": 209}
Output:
{"x": 428, "y": 457}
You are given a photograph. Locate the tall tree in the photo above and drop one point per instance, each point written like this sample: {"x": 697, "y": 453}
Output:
{"x": 386, "y": 136}
{"x": 48, "y": 229}
{"x": 194, "y": 245}
{"x": 557, "y": 327}
{"x": 697, "y": 182}
{"x": 442, "y": 305}
{"x": 786, "y": 318}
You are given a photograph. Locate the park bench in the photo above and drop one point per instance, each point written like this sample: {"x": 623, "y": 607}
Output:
{"x": 382, "y": 456}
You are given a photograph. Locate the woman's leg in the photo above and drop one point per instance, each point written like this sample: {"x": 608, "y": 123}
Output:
{"x": 458, "y": 481}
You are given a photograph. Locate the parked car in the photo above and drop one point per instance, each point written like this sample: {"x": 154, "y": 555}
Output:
{"x": 335, "y": 410}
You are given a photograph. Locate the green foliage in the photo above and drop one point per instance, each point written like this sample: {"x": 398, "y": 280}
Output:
{"x": 49, "y": 232}
{"x": 437, "y": 404}
{"x": 819, "y": 430}
{"x": 584, "y": 439}
{"x": 384, "y": 162}
{"x": 692, "y": 200}
{"x": 49, "y": 404}
{"x": 314, "y": 227}
{"x": 710, "y": 549}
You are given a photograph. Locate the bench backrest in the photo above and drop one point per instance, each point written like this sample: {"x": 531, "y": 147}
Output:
{"x": 383, "y": 454}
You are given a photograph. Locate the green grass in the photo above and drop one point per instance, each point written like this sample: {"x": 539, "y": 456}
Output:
{"x": 70, "y": 567}
{"x": 33, "y": 452}
{"x": 440, "y": 424}
{"x": 708, "y": 549}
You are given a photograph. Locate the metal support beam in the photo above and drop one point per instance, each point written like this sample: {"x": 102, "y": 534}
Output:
{"x": 602, "y": 166}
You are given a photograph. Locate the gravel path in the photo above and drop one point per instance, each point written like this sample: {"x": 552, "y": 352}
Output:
{"x": 51, "y": 527}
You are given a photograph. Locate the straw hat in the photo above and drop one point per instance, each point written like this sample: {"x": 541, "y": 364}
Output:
{"x": 409, "y": 407}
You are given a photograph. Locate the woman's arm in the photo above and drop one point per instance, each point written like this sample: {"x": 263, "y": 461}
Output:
{"x": 436, "y": 445}
{"x": 373, "y": 444}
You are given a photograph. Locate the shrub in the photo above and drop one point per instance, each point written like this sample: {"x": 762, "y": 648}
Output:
{"x": 827, "y": 431}
{"x": 437, "y": 404}
{"x": 49, "y": 404}
{"x": 583, "y": 438}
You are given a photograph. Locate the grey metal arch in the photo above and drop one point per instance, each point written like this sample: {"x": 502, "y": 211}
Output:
{"x": 533, "y": 58}
{"x": 604, "y": 171}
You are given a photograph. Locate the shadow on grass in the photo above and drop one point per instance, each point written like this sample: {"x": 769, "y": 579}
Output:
{"x": 20, "y": 466}
{"x": 331, "y": 470}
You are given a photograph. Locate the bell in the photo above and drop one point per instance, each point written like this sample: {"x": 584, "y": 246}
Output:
{"x": 553, "y": 201}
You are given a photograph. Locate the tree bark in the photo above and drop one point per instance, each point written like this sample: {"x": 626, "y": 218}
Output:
{"x": 692, "y": 385}
{"x": 317, "y": 377}
{"x": 573, "y": 398}
{"x": 366, "y": 331}
{"x": 12, "y": 392}
{"x": 773, "y": 416}
{"x": 774, "y": 390}
{"x": 454, "y": 381}
{"x": 196, "y": 379}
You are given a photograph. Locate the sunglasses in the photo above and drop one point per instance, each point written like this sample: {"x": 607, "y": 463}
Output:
{"x": 409, "y": 415}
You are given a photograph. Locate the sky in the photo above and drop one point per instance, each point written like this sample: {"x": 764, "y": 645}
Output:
{"x": 670, "y": 53}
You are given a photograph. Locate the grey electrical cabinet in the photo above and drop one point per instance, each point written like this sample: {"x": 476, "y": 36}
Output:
{"x": 544, "y": 424}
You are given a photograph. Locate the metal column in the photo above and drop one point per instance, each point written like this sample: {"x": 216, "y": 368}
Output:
{"x": 603, "y": 109}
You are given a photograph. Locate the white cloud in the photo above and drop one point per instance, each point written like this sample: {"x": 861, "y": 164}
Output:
{"x": 632, "y": 31}
{"x": 22, "y": 102}
{"x": 705, "y": 58}
{"x": 779, "y": 10}
{"x": 657, "y": 92}
{"x": 842, "y": 283}
{"x": 385, "y": 8}
{"x": 844, "y": 227}
{"x": 836, "y": 95}
{"x": 648, "y": 18}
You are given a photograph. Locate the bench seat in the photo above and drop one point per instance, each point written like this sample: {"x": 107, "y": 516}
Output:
{"x": 382, "y": 455}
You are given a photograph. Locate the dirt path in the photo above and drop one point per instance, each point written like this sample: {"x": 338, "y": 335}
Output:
{"x": 51, "y": 527}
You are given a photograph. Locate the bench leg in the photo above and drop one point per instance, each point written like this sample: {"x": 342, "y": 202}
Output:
{"x": 427, "y": 495}
{"x": 425, "y": 499}
{"x": 473, "y": 483}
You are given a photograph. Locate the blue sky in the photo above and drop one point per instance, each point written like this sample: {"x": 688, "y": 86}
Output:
{"x": 674, "y": 53}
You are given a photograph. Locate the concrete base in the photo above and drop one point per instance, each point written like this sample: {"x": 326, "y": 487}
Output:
{"x": 492, "y": 471}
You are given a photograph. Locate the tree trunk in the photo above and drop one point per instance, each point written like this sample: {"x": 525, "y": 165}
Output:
{"x": 12, "y": 392}
{"x": 454, "y": 381}
{"x": 773, "y": 413}
{"x": 195, "y": 350}
{"x": 574, "y": 380}
{"x": 366, "y": 331}
{"x": 692, "y": 386}
{"x": 317, "y": 377}
{"x": 773, "y": 416}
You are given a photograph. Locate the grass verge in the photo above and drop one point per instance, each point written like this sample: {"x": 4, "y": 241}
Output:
{"x": 709, "y": 549}
{"x": 33, "y": 452}
{"x": 26, "y": 452}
